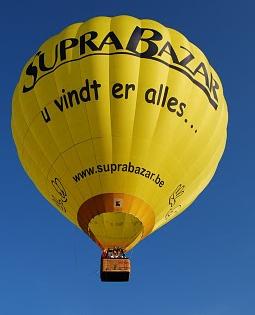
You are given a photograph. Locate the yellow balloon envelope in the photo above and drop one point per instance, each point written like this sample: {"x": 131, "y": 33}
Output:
{"x": 120, "y": 123}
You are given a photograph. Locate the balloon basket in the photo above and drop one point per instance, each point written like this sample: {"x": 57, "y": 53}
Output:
{"x": 115, "y": 269}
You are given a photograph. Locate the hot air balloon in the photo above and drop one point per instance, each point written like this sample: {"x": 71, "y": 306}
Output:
{"x": 120, "y": 123}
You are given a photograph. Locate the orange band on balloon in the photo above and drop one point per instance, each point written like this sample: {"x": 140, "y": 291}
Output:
{"x": 116, "y": 202}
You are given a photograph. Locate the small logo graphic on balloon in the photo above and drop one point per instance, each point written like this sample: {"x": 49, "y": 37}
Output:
{"x": 62, "y": 194}
{"x": 117, "y": 203}
{"x": 179, "y": 190}
{"x": 56, "y": 183}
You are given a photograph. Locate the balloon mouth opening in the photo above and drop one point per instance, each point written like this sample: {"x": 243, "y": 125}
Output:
{"x": 116, "y": 219}
{"x": 116, "y": 229}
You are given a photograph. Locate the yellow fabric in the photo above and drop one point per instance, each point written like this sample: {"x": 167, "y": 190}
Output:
{"x": 119, "y": 105}
{"x": 124, "y": 229}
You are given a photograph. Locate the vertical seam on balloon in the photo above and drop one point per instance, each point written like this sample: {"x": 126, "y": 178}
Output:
{"x": 109, "y": 100}
{"x": 188, "y": 96}
{"x": 86, "y": 117}
{"x": 160, "y": 113}
{"x": 136, "y": 106}
{"x": 216, "y": 130}
{"x": 110, "y": 77}
{"x": 30, "y": 131}
{"x": 190, "y": 91}
{"x": 212, "y": 136}
{"x": 138, "y": 181}
{"x": 177, "y": 126}
{"x": 36, "y": 140}
{"x": 34, "y": 92}
{"x": 201, "y": 174}
{"x": 55, "y": 80}
{"x": 206, "y": 180}
{"x": 197, "y": 108}
{"x": 88, "y": 121}
{"x": 110, "y": 111}
{"x": 37, "y": 169}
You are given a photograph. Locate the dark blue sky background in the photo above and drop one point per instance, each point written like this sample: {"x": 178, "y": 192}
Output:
{"x": 203, "y": 262}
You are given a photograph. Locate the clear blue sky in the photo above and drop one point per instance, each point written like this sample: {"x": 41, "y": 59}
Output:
{"x": 206, "y": 257}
